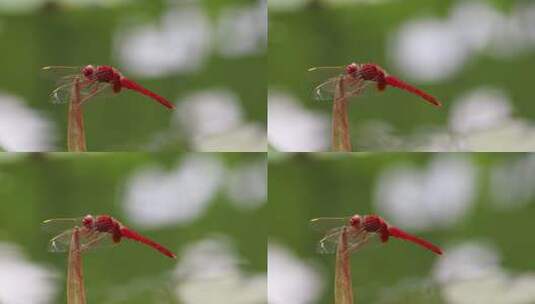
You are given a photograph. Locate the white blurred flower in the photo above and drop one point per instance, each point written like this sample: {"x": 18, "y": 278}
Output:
{"x": 242, "y": 30}
{"x": 482, "y": 120}
{"x": 290, "y": 279}
{"x": 433, "y": 49}
{"x": 213, "y": 265}
{"x": 430, "y": 198}
{"x": 180, "y": 43}
{"x": 208, "y": 112}
{"x": 247, "y": 185}
{"x": 480, "y": 109}
{"x": 20, "y": 6}
{"x": 23, "y": 129}
{"x": 470, "y": 273}
{"x": 511, "y": 182}
{"x": 22, "y": 281}
{"x": 155, "y": 198}
{"x": 213, "y": 120}
{"x": 291, "y": 127}
{"x": 474, "y": 22}
{"x": 427, "y": 50}
{"x": 247, "y": 137}
{"x": 467, "y": 261}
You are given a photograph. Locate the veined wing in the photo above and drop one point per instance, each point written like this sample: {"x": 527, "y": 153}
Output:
{"x": 353, "y": 85}
{"x": 57, "y": 225}
{"x": 324, "y": 224}
{"x": 61, "y": 242}
{"x": 88, "y": 89}
{"x": 355, "y": 239}
{"x": 88, "y": 240}
{"x": 331, "y": 227}
{"x": 325, "y": 90}
{"x": 329, "y": 242}
{"x": 59, "y": 72}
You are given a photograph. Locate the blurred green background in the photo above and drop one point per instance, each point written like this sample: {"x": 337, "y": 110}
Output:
{"x": 188, "y": 42}
{"x": 478, "y": 207}
{"x": 36, "y": 187}
{"x": 474, "y": 56}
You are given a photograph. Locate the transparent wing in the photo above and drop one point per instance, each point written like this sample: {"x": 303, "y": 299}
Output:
{"x": 325, "y": 91}
{"x": 96, "y": 90}
{"x": 89, "y": 239}
{"x": 329, "y": 242}
{"x": 325, "y": 224}
{"x": 61, "y": 94}
{"x": 59, "y": 72}
{"x": 356, "y": 238}
{"x": 88, "y": 89}
{"x": 58, "y": 225}
{"x": 332, "y": 228}
{"x": 61, "y": 242}
{"x": 353, "y": 86}
{"x": 95, "y": 240}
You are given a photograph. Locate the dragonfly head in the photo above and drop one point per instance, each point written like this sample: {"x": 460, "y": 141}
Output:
{"x": 88, "y": 70}
{"x": 88, "y": 221}
{"x": 351, "y": 68}
{"x": 355, "y": 221}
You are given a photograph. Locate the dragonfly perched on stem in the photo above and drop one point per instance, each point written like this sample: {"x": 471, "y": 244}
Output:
{"x": 94, "y": 80}
{"x": 355, "y": 77}
{"x": 95, "y": 231}
{"x": 360, "y": 229}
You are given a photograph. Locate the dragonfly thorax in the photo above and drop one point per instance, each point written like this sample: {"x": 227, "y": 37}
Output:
{"x": 105, "y": 73}
{"x": 373, "y": 223}
{"x": 370, "y": 71}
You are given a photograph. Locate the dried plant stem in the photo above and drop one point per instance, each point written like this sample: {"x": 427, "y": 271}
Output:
{"x": 75, "y": 131}
{"x": 75, "y": 277}
{"x": 341, "y": 141}
{"x": 343, "y": 290}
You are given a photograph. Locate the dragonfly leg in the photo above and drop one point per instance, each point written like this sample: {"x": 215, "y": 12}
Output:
{"x": 358, "y": 245}
{"x": 93, "y": 238}
{"x": 94, "y": 91}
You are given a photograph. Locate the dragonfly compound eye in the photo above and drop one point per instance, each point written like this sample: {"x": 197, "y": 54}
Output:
{"x": 355, "y": 221}
{"x": 88, "y": 71}
{"x": 351, "y": 68}
{"x": 88, "y": 221}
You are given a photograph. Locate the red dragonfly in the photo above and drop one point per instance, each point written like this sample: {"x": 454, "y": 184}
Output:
{"x": 355, "y": 77}
{"x": 94, "y": 79}
{"x": 359, "y": 229}
{"x": 95, "y": 231}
